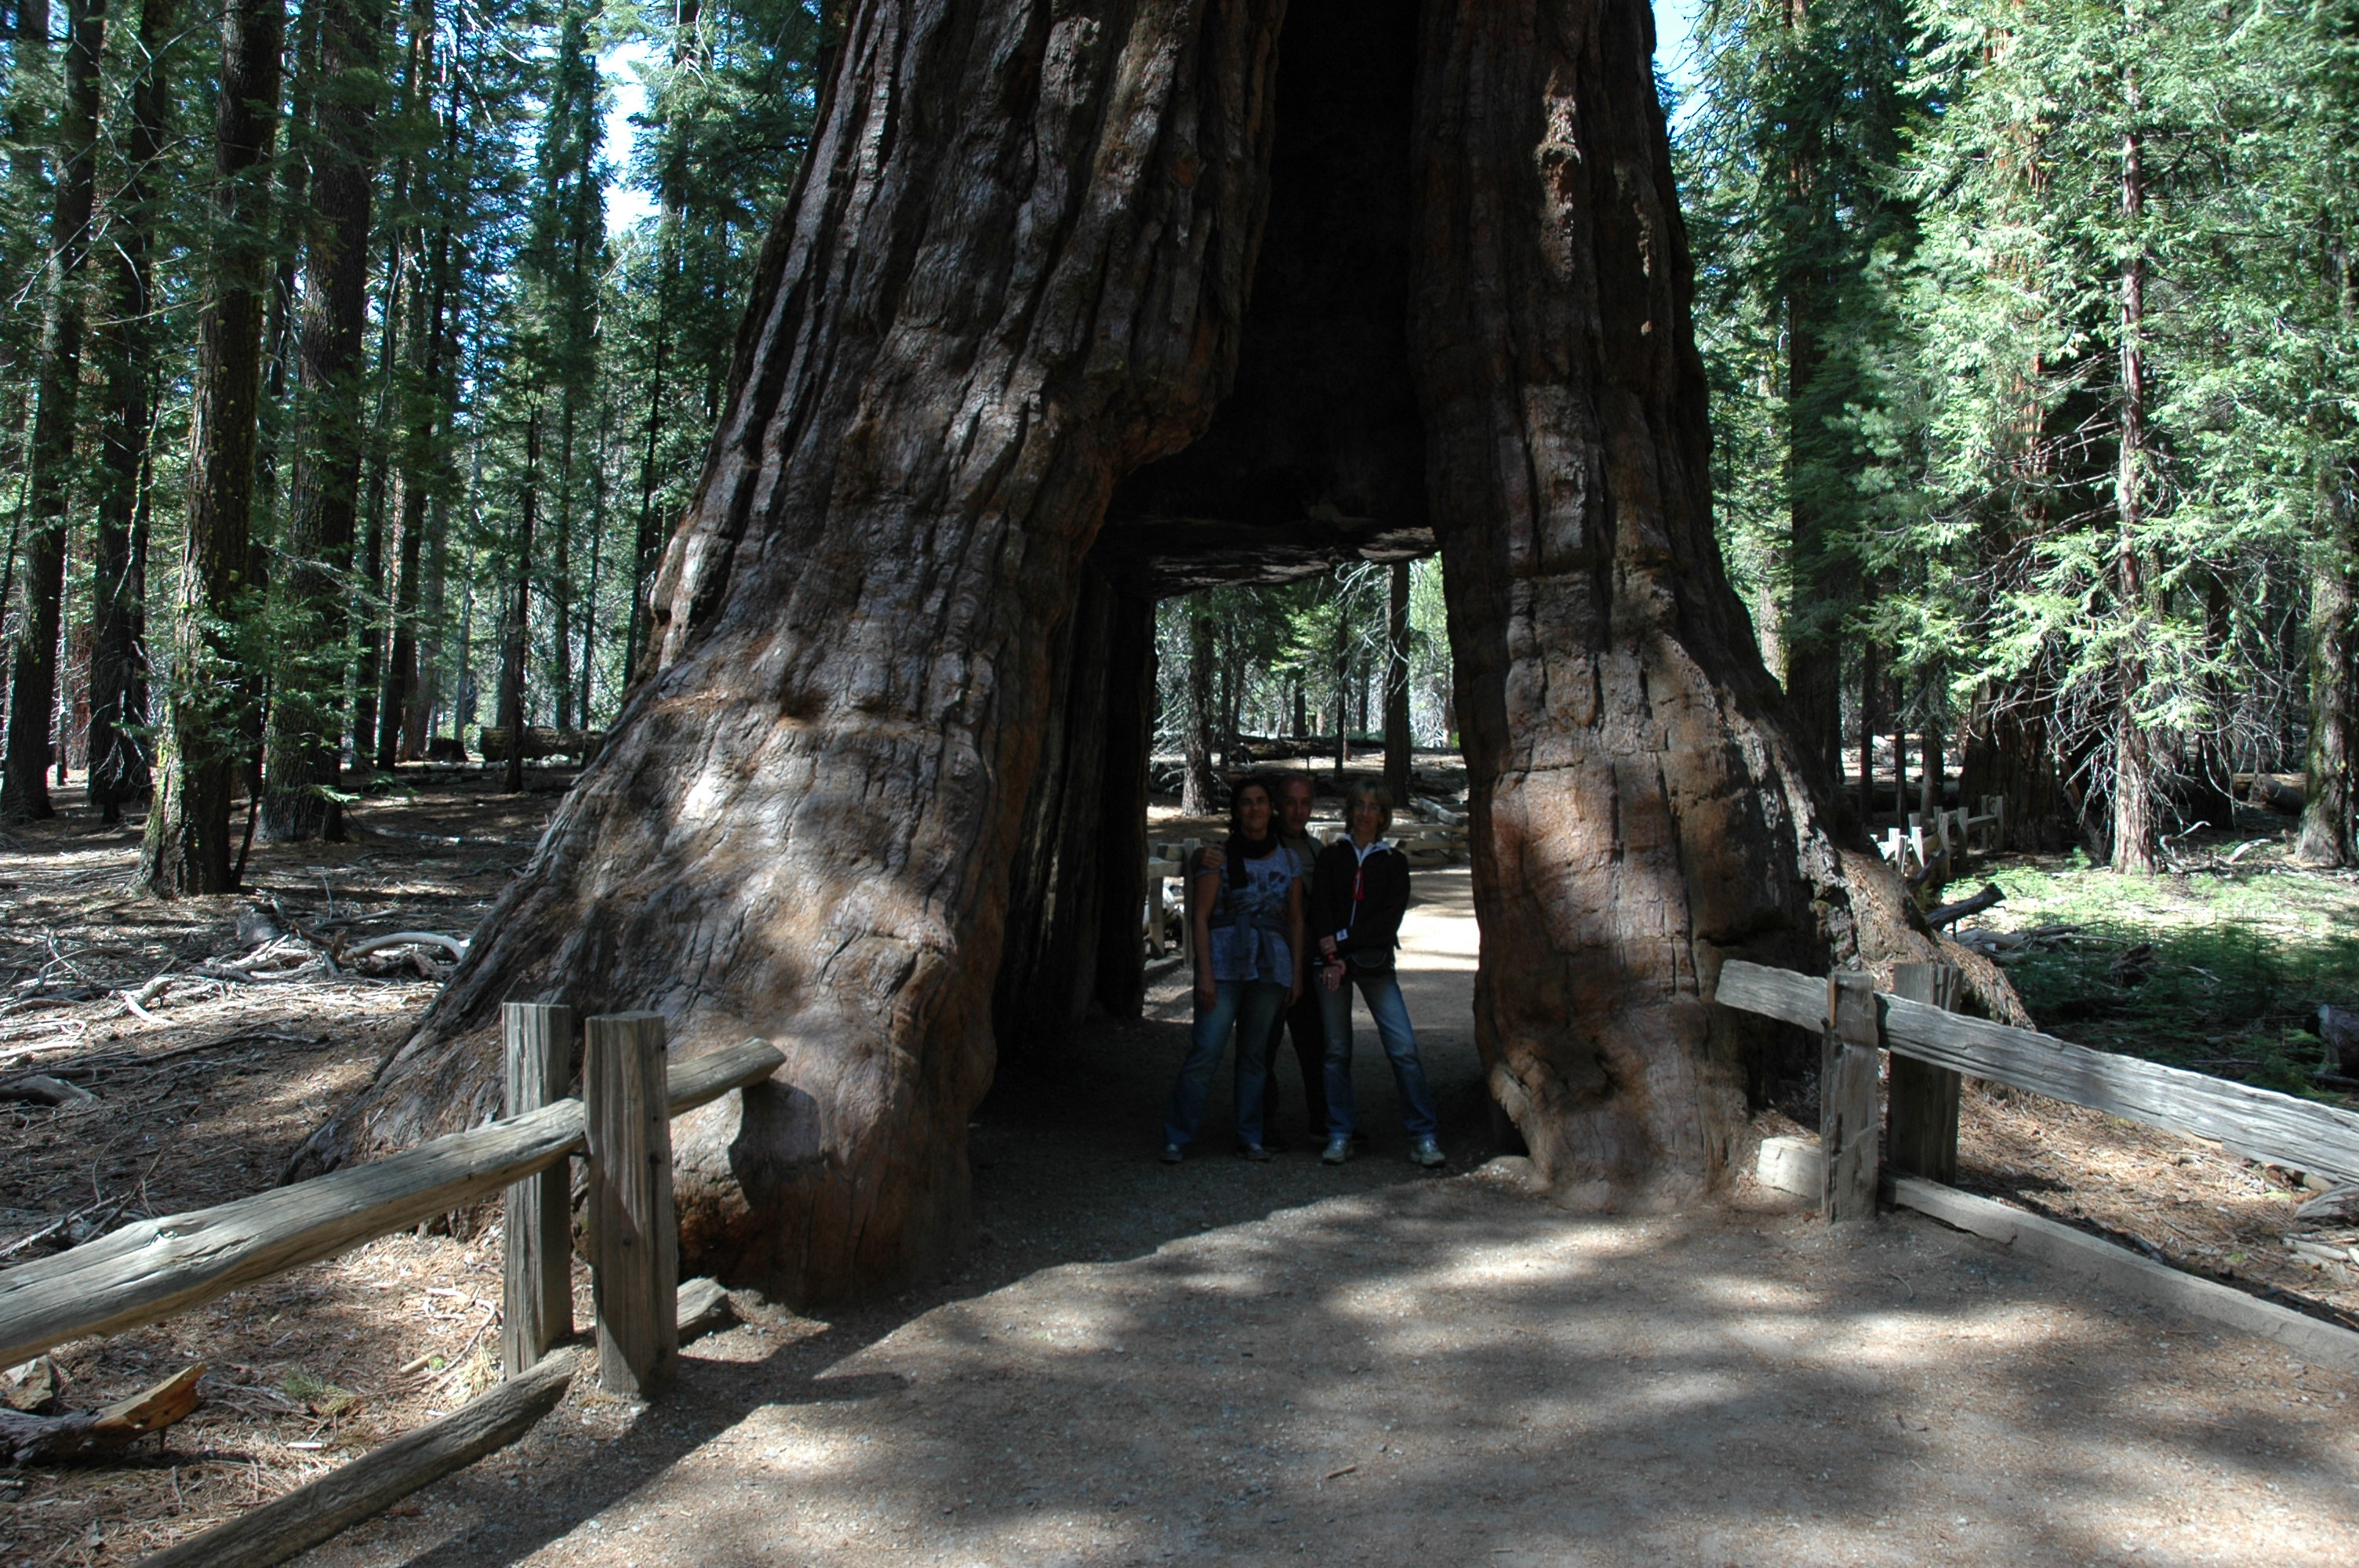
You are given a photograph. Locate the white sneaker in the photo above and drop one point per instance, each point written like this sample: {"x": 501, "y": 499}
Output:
{"x": 1337, "y": 1150}
{"x": 1425, "y": 1151}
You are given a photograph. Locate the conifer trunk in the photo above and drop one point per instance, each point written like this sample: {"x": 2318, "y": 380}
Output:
{"x": 1643, "y": 806}
{"x": 126, "y": 341}
{"x": 189, "y": 842}
{"x": 2327, "y": 828}
{"x": 1396, "y": 735}
{"x": 1198, "y": 790}
{"x": 964, "y": 331}
{"x": 303, "y": 757}
{"x": 33, "y": 668}
{"x": 1015, "y": 271}
{"x": 2136, "y": 839}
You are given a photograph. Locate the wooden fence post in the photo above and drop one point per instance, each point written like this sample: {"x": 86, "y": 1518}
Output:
{"x": 634, "y": 1229}
{"x": 1154, "y": 902}
{"x": 1847, "y": 1123}
{"x": 537, "y": 1261}
{"x": 1922, "y": 1102}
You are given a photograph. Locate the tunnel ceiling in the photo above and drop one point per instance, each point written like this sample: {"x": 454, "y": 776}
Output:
{"x": 1317, "y": 455}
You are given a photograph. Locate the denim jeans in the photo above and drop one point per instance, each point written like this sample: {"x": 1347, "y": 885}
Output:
{"x": 1383, "y": 995}
{"x": 1247, "y": 1007}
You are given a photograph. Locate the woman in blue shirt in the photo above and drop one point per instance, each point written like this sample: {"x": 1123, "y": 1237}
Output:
{"x": 1248, "y": 918}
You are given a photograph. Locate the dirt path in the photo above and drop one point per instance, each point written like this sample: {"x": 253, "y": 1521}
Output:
{"x": 1140, "y": 1363}
{"x": 1240, "y": 1362}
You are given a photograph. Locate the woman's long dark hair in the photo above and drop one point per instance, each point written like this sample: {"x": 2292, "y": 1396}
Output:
{"x": 1240, "y": 848}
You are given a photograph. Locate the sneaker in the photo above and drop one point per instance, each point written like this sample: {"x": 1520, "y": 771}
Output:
{"x": 1425, "y": 1151}
{"x": 1255, "y": 1151}
{"x": 1171, "y": 1153}
{"x": 1337, "y": 1150}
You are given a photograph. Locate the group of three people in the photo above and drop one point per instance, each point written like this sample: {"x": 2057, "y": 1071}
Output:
{"x": 1284, "y": 931}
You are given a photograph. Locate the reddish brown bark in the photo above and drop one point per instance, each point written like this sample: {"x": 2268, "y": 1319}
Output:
{"x": 972, "y": 323}
{"x": 1016, "y": 271}
{"x": 2327, "y": 828}
{"x": 1644, "y": 809}
{"x": 303, "y": 765}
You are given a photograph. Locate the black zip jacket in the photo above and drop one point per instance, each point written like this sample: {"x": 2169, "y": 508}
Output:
{"x": 1374, "y": 930}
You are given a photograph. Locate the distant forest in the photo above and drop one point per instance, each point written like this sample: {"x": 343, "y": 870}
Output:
{"x": 339, "y": 424}
{"x": 2036, "y": 390}
{"x": 336, "y": 419}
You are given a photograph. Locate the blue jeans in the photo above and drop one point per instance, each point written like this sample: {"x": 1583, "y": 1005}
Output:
{"x": 1383, "y": 995}
{"x": 1247, "y": 1007}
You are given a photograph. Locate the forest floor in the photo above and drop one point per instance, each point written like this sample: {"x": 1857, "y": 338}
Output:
{"x": 1137, "y": 1364}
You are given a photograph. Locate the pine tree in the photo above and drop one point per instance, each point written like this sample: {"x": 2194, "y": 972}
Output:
{"x": 312, "y": 619}
{"x": 33, "y": 668}
{"x": 202, "y": 735}
{"x": 128, "y": 343}
{"x": 1790, "y": 157}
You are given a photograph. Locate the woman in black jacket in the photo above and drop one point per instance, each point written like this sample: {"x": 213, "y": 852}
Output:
{"x": 1358, "y": 897}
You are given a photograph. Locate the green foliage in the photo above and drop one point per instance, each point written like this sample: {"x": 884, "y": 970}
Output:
{"x": 2221, "y": 972}
{"x": 1322, "y": 639}
{"x": 2029, "y": 193}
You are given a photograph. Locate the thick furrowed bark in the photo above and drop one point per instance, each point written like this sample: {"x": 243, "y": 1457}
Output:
{"x": 1642, "y": 809}
{"x": 1015, "y": 271}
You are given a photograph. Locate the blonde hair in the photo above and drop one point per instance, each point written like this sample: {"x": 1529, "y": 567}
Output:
{"x": 1376, "y": 795}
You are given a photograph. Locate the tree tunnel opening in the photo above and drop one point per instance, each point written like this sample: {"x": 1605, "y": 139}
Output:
{"x": 1314, "y": 456}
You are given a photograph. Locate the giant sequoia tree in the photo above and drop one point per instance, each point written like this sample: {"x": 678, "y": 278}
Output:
{"x": 1026, "y": 260}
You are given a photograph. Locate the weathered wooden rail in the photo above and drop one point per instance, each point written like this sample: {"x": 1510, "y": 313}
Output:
{"x": 2258, "y": 1123}
{"x": 156, "y": 1268}
{"x": 1933, "y": 1048}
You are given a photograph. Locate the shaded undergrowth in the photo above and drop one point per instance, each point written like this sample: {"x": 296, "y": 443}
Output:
{"x": 2222, "y": 969}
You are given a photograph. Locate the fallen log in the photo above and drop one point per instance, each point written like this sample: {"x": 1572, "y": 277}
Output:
{"x": 40, "y": 1089}
{"x": 2336, "y": 1205}
{"x": 90, "y": 1434}
{"x": 1949, "y": 913}
{"x": 310, "y": 1514}
{"x": 450, "y": 945}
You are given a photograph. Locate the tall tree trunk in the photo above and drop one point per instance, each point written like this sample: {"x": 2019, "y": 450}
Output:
{"x": 920, "y": 437}
{"x": 422, "y": 404}
{"x": 118, "y": 708}
{"x": 2138, "y": 831}
{"x": 1396, "y": 735}
{"x": 561, "y": 571}
{"x": 2328, "y": 835}
{"x": 1932, "y": 745}
{"x": 516, "y": 633}
{"x": 189, "y": 841}
{"x": 1809, "y": 628}
{"x": 1642, "y": 809}
{"x": 963, "y": 333}
{"x": 1868, "y": 677}
{"x": 2009, "y": 753}
{"x": 302, "y": 763}
{"x": 33, "y": 668}
{"x": 1200, "y": 791}
{"x": 597, "y": 555}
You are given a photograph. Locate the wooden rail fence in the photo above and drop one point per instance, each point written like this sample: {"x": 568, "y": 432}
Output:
{"x": 1945, "y": 837}
{"x": 156, "y": 1268}
{"x": 1933, "y": 1048}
